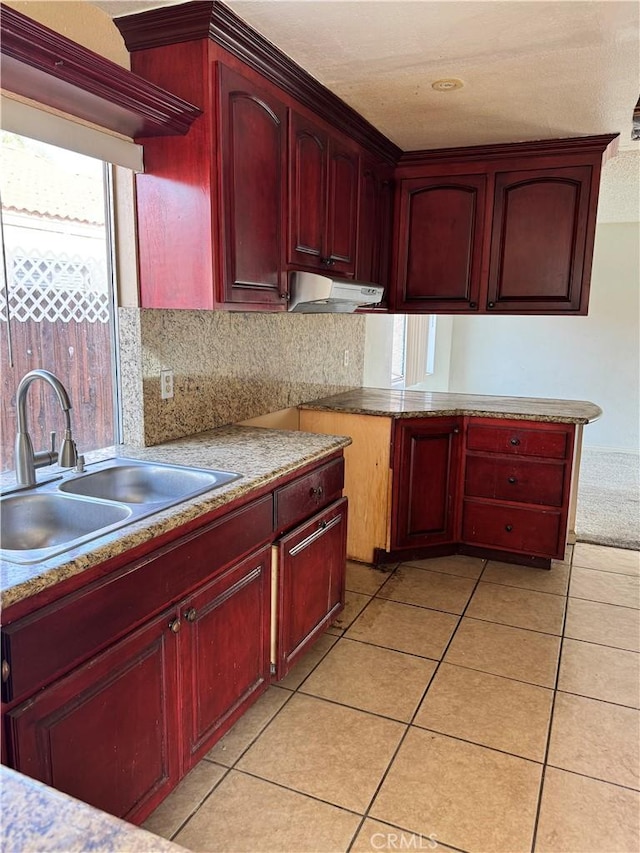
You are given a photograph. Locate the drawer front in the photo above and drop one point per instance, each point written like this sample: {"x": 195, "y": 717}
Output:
{"x": 519, "y": 440}
{"x": 515, "y": 480}
{"x": 56, "y": 638}
{"x": 308, "y": 494}
{"x": 513, "y": 528}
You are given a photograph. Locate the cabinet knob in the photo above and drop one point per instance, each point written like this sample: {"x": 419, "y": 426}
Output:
{"x": 515, "y": 442}
{"x": 490, "y": 304}
{"x": 316, "y": 492}
{"x": 513, "y": 480}
{"x": 284, "y": 296}
{"x": 327, "y": 262}
{"x": 191, "y": 614}
{"x": 6, "y": 670}
{"x": 473, "y": 305}
{"x": 456, "y": 430}
{"x": 174, "y": 626}
{"x": 508, "y": 527}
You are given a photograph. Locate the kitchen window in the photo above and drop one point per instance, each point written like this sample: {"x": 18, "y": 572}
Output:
{"x": 414, "y": 343}
{"x": 57, "y": 308}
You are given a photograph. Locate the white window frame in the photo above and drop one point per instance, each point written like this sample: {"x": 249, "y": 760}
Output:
{"x": 420, "y": 349}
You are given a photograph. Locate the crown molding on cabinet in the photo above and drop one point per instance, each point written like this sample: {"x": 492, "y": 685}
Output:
{"x": 212, "y": 19}
{"x": 39, "y": 63}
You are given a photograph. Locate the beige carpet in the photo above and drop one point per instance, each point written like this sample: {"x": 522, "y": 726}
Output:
{"x": 609, "y": 499}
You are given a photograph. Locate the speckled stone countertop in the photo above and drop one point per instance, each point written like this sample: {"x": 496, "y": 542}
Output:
{"x": 39, "y": 819}
{"x": 423, "y": 404}
{"x": 261, "y": 456}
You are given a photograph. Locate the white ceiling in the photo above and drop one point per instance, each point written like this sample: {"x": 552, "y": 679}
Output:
{"x": 532, "y": 69}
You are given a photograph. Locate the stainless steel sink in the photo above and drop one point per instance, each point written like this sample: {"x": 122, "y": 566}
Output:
{"x": 145, "y": 483}
{"x": 43, "y": 522}
{"x": 57, "y": 516}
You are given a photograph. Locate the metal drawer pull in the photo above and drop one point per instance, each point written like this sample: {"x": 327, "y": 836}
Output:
{"x": 508, "y": 527}
{"x": 322, "y": 529}
{"x": 174, "y": 626}
{"x": 6, "y": 670}
{"x": 316, "y": 492}
{"x": 513, "y": 480}
{"x": 515, "y": 441}
{"x": 191, "y": 614}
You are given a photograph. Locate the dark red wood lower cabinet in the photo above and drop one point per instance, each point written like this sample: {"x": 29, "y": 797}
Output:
{"x": 311, "y": 580}
{"x": 106, "y": 733}
{"x": 225, "y": 652}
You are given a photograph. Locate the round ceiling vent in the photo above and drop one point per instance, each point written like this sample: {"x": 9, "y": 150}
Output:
{"x": 447, "y": 84}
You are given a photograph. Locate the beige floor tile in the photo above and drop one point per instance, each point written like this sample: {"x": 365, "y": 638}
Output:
{"x": 428, "y": 589}
{"x": 607, "y": 587}
{"x": 618, "y": 560}
{"x": 521, "y": 608}
{"x": 596, "y": 739}
{"x": 308, "y": 662}
{"x": 245, "y": 815}
{"x": 375, "y": 835}
{"x": 365, "y": 579}
{"x": 337, "y": 754}
{"x": 457, "y": 564}
{"x": 183, "y": 801}
{"x": 499, "y": 649}
{"x": 248, "y": 727}
{"x": 580, "y": 814}
{"x": 603, "y": 623}
{"x": 354, "y": 604}
{"x": 463, "y": 795}
{"x": 405, "y": 628}
{"x": 555, "y": 579}
{"x": 488, "y": 710}
{"x": 372, "y": 679}
{"x": 600, "y": 672}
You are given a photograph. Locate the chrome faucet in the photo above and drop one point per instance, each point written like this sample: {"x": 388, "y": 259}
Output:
{"x": 26, "y": 460}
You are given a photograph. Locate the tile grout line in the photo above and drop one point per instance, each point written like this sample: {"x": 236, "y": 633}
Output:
{"x": 413, "y": 716}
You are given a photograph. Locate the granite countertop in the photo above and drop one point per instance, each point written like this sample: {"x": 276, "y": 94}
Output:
{"x": 261, "y": 456}
{"x": 384, "y": 402}
{"x": 39, "y": 819}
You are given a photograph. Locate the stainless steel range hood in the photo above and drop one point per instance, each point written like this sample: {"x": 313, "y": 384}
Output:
{"x": 311, "y": 293}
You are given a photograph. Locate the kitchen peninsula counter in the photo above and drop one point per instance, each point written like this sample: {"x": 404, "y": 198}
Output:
{"x": 260, "y": 456}
{"x": 392, "y": 403}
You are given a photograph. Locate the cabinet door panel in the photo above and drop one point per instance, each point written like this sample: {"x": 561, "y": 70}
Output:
{"x": 425, "y": 474}
{"x": 440, "y": 242}
{"x": 106, "y": 734}
{"x": 311, "y": 568}
{"x": 307, "y": 191}
{"x": 374, "y": 225}
{"x": 253, "y": 149}
{"x": 538, "y": 239}
{"x": 226, "y": 633}
{"x": 342, "y": 216}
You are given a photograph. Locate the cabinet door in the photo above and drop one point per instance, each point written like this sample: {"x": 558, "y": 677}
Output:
{"x": 311, "y": 563}
{"x": 308, "y": 146}
{"x": 538, "y": 241}
{"x": 342, "y": 212}
{"x": 225, "y": 634}
{"x": 374, "y": 225}
{"x": 106, "y": 733}
{"x": 253, "y": 147}
{"x": 426, "y": 470}
{"x": 440, "y": 233}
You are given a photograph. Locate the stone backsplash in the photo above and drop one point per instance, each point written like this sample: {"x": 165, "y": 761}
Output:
{"x": 229, "y": 366}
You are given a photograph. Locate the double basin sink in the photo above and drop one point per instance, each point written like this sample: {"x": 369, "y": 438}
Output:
{"x": 50, "y": 519}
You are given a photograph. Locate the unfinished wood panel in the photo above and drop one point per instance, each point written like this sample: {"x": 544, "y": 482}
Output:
{"x": 282, "y": 419}
{"x": 367, "y": 476}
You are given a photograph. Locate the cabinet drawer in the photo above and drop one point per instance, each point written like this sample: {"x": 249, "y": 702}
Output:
{"x": 40, "y": 647}
{"x": 515, "y": 480}
{"x": 308, "y": 494}
{"x": 520, "y": 440}
{"x": 513, "y": 528}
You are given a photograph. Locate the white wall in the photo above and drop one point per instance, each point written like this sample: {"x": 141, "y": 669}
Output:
{"x": 589, "y": 358}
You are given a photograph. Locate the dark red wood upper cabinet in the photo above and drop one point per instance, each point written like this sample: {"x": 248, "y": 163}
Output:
{"x": 323, "y": 199}
{"x": 253, "y": 146}
{"x": 374, "y": 224}
{"x": 439, "y": 251}
{"x": 426, "y": 466}
{"x": 538, "y": 240}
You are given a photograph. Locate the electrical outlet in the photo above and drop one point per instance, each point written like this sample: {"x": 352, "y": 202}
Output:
{"x": 166, "y": 384}
{"x": 345, "y": 358}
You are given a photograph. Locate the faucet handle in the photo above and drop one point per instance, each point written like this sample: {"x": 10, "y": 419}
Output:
{"x": 52, "y": 436}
